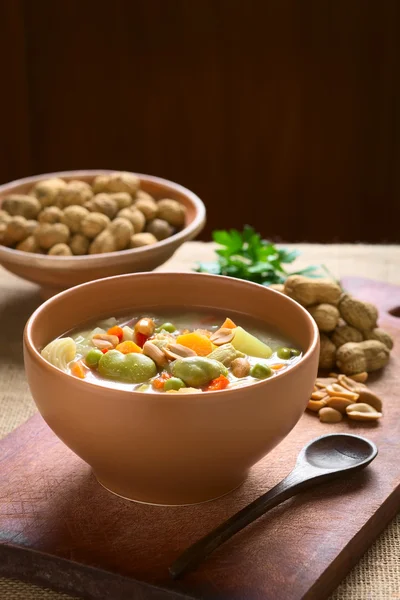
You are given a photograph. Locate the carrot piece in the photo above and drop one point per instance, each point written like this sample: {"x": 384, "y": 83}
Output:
{"x": 277, "y": 367}
{"x": 220, "y": 383}
{"x": 165, "y": 375}
{"x": 78, "y": 370}
{"x": 158, "y": 383}
{"x": 105, "y": 350}
{"x": 128, "y": 347}
{"x": 197, "y": 342}
{"x": 228, "y": 324}
{"x": 116, "y": 330}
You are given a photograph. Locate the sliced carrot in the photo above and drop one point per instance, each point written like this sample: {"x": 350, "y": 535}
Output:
{"x": 277, "y": 367}
{"x": 228, "y": 324}
{"x": 197, "y": 342}
{"x": 128, "y": 347}
{"x": 78, "y": 370}
{"x": 105, "y": 350}
{"x": 116, "y": 330}
{"x": 220, "y": 383}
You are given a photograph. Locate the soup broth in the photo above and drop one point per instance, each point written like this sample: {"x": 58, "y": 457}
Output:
{"x": 173, "y": 351}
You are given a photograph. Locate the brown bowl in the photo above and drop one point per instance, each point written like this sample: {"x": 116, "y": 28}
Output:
{"x": 56, "y": 273}
{"x": 170, "y": 449}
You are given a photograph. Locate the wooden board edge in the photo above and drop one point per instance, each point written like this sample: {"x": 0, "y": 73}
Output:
{"x": 76, "y": 579}
{"x": 355, "y": 549}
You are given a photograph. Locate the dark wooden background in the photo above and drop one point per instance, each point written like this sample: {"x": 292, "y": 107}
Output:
{"x": 282, "y": 114}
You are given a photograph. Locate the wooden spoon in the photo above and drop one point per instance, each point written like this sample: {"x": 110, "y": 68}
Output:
{"x": 325, "y": 458}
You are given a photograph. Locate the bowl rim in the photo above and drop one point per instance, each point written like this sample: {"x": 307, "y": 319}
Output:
{"x": 185, "y": 233}
{"x": 135, "y": 395}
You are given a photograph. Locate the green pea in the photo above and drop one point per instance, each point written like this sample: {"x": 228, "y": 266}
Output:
{"x": 260, "y": 371}
{"x": 131, "y": 368}
{"x": 284, "y": 353}
{"x": 294, "y": 352}
{"x": 173, "y": 383}
{"x": 170, "y": 327}
{"x": 93, "y": 357}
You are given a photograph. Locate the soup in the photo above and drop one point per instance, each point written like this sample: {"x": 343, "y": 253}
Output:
{"x": 173, "y": 353}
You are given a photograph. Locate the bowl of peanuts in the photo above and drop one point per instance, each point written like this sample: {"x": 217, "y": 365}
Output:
{"x": 62, "y": 229}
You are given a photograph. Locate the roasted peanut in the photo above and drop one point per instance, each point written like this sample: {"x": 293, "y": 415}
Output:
{"x": 93, "y": 224}
{"x": 370, "y": 355}
{"x": 329, "y": 415}
{"x": 142, "y": 239}
{"x": 51, "y": 214}
{"x": 120, "y": 181}
{"x": 338, "y": 391}
{"x": 103, "y": 243}
{"x": 123, "y": 199}
{"x": 122, "y": 230}
{"x": 327, "y": 353}
{"x": 30, "y": 244}
{"x": 174, "y": 351}
{"x": 326, "y": 316}
{"x": 79, "y": 244}
{"x": 60, "y": 250}
{"x": 222, "y": 336}
{"x": 106, "y": 337}
{"x": 240, "y": 367}
{"x": 362, "y": 412}
{"x": 73, "y": 216}
{"x": 339, "y": 403}
{"x": 136, "y": 217}
{"x": 46, "y": 191}
{"x": 160, "y": 229}
{"x": 74, "y": 193}
{"x": 350, "y": 384}
{"x": 172, "y": 211}
{"x": 346, "y": 333}
{"x": 361, "y": 315}
{"x": 21, "y": 205}
{"x": 147, "y": 207}
{"x": 155, "y": 353}
{"x": 103, "y": 203}
{"x": 307, "y": 291}
{"x": 380, "y": 335}
{"x": 360, "y": 377}
{"x": 48, "y": 235}
{"x": 368, "y": 397}
{"x": 316, "y": 405}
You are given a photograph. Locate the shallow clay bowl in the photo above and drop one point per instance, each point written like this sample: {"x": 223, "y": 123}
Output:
{"x": 56, "y": 273}
{"x": 170, "y": 448}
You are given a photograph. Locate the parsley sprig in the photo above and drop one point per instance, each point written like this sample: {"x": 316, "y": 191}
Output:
{"x": 247, "y": 256}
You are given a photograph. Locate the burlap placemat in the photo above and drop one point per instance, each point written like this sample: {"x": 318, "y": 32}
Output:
{"x": 377, "y": 575}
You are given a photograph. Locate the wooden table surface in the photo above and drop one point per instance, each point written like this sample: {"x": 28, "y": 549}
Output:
{"x": 377, "y": 576}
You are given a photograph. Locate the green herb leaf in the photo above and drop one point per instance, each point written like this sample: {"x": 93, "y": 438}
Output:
{"x": 247, "y": 256}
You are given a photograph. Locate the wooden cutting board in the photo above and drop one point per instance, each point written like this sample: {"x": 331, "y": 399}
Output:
{"x": 59, "y": 528}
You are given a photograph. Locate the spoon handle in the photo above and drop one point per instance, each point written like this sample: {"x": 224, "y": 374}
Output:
{"x": 298, "y": 480}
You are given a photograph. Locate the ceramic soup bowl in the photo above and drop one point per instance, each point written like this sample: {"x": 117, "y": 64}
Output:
{"x": 170, "y": 448}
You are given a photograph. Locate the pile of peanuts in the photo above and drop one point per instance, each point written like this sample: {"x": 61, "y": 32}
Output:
{"x": 66, "y": 218}
{"x": 350, "y": 339}
{"x": 350, "y": 342}
{"x": 339, "y": 395}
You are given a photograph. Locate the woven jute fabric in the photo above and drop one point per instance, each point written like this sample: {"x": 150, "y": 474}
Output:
{"x": 377, "y": 575}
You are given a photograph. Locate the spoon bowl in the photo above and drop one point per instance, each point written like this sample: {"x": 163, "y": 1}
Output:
{"x": 339, "y": 451}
